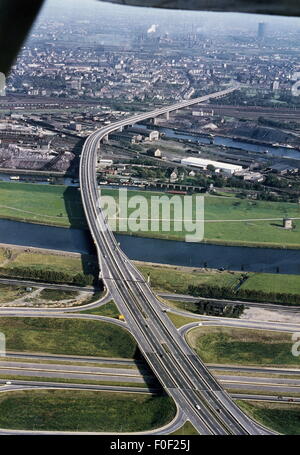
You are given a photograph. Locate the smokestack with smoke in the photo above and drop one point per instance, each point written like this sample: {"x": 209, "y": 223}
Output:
{"x": 152, "y": 29}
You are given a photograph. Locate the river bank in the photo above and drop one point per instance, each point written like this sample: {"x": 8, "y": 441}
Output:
{"x": 227, "y": 220}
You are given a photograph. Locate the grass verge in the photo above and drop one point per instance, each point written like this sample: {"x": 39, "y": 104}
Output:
{"x": 283, "y": 418}
{"x": 72, "y": 381}
{"x": 108, "y": 309}
{"x": 55, "y": 295}
{"x": 68, "y": 362}
{"x": 235, "y": 346}
{"x": 186, "y": 430}
{"x": 84, "y": 411}
{"x": 179, "y": 320}
{"x": 67, "y": 336}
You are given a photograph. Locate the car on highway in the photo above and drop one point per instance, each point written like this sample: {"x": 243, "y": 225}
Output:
{"x": 198, "y": 406}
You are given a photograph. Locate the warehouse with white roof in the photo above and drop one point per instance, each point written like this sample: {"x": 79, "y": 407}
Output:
{"x": 202, "y": 163}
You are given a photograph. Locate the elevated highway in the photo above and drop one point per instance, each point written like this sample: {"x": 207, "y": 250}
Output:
{"x": 182, "y": 374}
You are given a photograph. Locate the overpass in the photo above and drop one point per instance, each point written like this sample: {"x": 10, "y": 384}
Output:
{"x": 182, "y": 374}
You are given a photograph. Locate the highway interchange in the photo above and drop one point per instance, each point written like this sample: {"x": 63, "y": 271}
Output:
{"x": 182, "y": 374}
{"x": 198, "y": 395}
{"x": 238, "y": 381}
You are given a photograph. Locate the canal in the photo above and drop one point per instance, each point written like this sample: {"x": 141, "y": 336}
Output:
{"x": 179, "y": 253}
{"x": 272, "y": 151}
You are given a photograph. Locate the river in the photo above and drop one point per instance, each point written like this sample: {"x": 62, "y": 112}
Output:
{"x": 155, "y": 250}
{"x": 279, "y": 152}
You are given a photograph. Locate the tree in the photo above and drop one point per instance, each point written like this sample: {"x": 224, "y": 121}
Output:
{"x": 210, "y": 167}
{"x": 80, "y": 279}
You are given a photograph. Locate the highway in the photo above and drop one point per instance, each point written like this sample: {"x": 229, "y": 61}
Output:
{"x": 87, "y": 373}
{"x": 115, "y": 375}
{"x": 27, "y": 385}
{"x": 23, "y": 356}
{"x": 261, "y": 370}
{"x": 182, "y": 374}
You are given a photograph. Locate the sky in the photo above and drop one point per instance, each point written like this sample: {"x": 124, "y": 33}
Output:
{"x": 73, "y": 10}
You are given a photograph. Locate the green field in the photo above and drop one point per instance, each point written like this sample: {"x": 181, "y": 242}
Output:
{"x": 178, "y": 279}
{"x": 179, "y": 320}
{"x": 84, "y": 411}
{"x": 227, "y": 208}
{"x": 46, "y": 266}
{"x": 16, "y": 257}
{"x": 269, "y": 282}
{"x": 47, "y": 204}
{"x": 61, "y": 206}
{"x": 108, "y": 309}
{"x": 67, "y": 336}
{"x": 70, "y": 264}
{"x": 54, "y": 295}
{"x": 235, "y": 346}
{"x": 281, "y": 417}
{"x": 226, "y": 231}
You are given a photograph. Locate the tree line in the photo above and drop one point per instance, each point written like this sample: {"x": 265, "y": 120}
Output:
{"x": 219, "y": 309}
{"x": 252, "y": 295}
{"x": 52, "y": 276}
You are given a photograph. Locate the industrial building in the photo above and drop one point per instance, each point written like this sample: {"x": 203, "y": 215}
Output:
{"x": 261, "y": 31}
{"x": 105, "y": 162}
{"x": 202, "y": 163}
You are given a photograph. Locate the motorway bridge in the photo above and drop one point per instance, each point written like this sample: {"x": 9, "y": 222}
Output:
{"x": 182, "y": 374}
